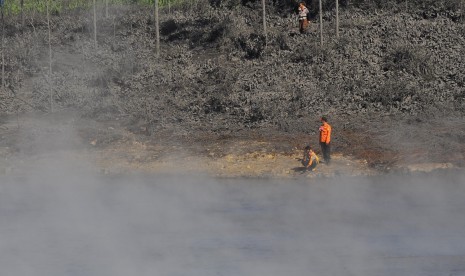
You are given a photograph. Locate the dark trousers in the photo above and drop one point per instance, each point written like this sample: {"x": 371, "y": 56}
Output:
{"x": 326, "y": 151}
{"x": 312, "y": 166}
{"x": 303, "y": 25}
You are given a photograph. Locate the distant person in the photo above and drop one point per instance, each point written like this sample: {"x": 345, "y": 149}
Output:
{"x": 325, "y": 140}
{"x": 310, "y": 160}
{"x": 303, "y": 20}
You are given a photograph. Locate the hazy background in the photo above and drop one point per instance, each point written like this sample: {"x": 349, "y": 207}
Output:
{"x": 58, "y": 216}
{"x": 62, "y": 219}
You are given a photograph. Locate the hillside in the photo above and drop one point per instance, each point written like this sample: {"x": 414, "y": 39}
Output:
{"x": 392, "y": 84}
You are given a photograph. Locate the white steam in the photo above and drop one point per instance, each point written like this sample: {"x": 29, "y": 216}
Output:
{"x": 74, "y": 223}
{"x": 62, "y": 218}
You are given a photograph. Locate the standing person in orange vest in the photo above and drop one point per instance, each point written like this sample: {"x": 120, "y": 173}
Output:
{"x": 325, "y": 140}
{"x": 303, "y": 20}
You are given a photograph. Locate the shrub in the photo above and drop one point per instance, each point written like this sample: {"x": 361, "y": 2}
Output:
{"x": 410, "y": 59}
{"x": 253, "y": 45}
{"x": 314, "y": 53}
{"x": 394, "y": 94}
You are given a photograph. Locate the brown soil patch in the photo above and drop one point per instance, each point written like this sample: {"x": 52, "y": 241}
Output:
{"x": 113, "y": 149}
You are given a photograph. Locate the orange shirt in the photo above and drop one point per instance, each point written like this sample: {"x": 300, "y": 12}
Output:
{"x": 325, "y": 133}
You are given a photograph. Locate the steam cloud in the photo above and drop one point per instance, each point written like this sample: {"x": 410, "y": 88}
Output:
{"x": 77, "y": 223}
{"x": 62, "y": 218}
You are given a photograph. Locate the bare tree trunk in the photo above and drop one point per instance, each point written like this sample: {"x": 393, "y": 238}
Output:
{"x": 157, "y": 31}
{"x": 95, "y": 25}
{"x": 22, "y": 13}
{"x": 264, "y": 21}
{"x": 3, "y": 48}
{"x": 49, "y": 55}
{"x": 462, "y": 16}
{"x": 337, "y": 18}
{"x": 321, "y": 23}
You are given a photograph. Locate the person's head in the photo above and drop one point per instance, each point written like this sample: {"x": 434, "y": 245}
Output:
{"x": 302, "y": 3}
{"x": 324, "y": 119}
{"x": 308, "y": 148}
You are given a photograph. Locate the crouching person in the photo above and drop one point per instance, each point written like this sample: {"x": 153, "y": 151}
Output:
{"x": 310, "y": 160}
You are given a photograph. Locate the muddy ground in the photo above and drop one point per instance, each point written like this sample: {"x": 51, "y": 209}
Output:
{"x": 108, "y": 148}
{"x": 28, "y": 141}
{"x": 221, "y": 100}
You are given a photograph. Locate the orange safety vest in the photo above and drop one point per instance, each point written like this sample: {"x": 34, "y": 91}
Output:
{"x": 325, "y": 133}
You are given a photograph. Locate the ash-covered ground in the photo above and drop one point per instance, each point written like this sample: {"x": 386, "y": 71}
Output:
{"x": 392, "y": 85}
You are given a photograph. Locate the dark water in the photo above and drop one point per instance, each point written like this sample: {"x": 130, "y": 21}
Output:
{"x": 62, "y": 222}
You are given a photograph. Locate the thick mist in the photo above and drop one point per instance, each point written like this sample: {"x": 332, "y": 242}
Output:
{"x": 58, "y": 220}
{"x": 60, "y": 216}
